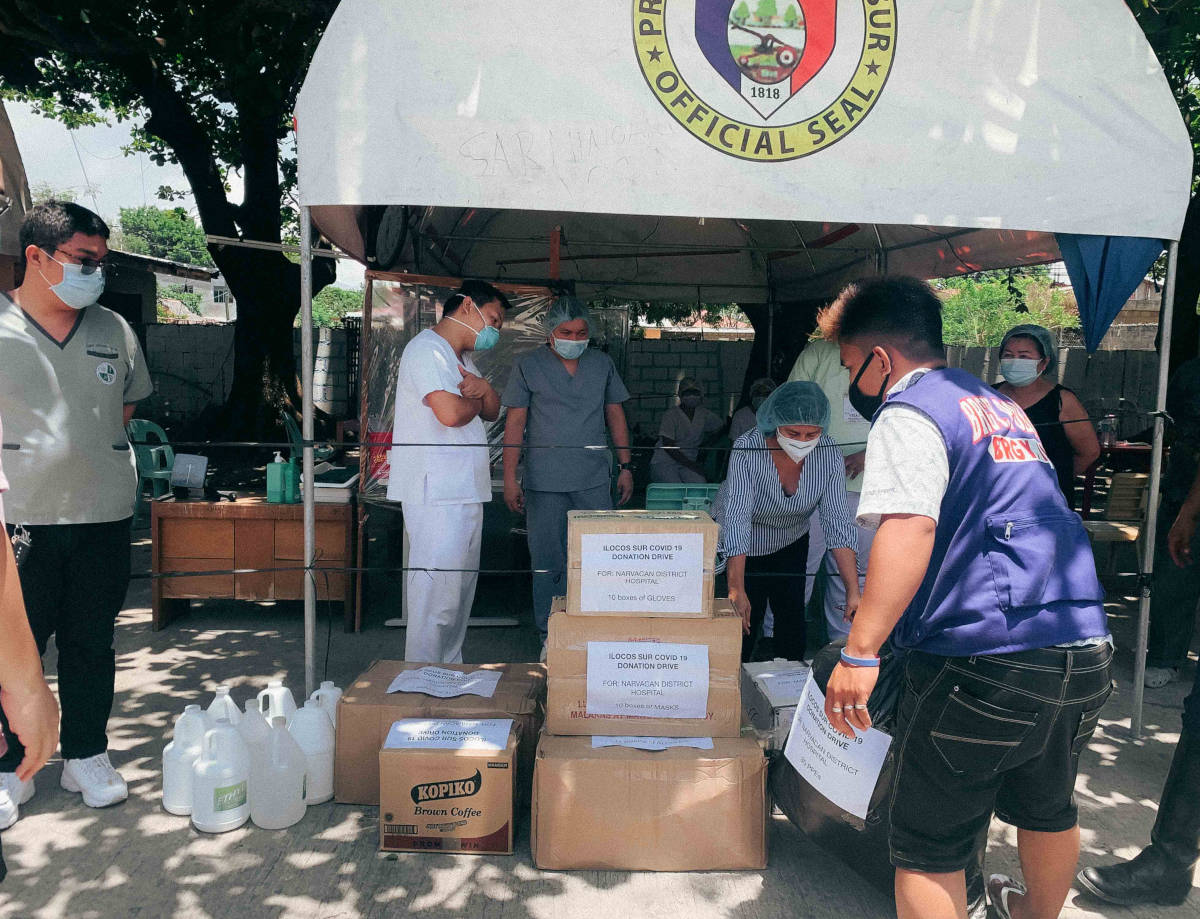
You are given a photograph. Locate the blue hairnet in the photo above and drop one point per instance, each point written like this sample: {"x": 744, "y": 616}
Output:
{"x": 1042, "y": 336}
{"x": 797, "y": 402}
{"x": 566, "y": 309}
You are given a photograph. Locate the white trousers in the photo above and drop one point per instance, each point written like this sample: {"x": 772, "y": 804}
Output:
{"x": 445, "y": 536}
{"x": 835, "y": 590}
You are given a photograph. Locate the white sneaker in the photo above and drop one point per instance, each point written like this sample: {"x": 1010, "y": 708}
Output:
{"x": 1158, "y": 677}
{"x": 96, "y": 778}
{"x": 13, "y": 793}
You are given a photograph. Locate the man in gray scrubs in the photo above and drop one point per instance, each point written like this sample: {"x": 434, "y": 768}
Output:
{"x": 71, "y": 373}
{"x": 560, "y": 398}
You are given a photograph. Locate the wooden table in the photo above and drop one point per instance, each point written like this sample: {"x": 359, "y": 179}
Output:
{"x": 247, "y": 533}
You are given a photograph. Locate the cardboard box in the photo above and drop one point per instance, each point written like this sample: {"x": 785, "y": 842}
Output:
{"x": 573, "y": 639}
{"x": 641, "y": 563}
{"x": 770, "y": 693}
{"x": 367, "y": 710}
{"x": 434, "y": 799}
{"x": 680, "y": 809}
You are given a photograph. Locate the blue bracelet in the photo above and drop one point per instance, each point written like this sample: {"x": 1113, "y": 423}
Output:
{"x": 859, "y": 661}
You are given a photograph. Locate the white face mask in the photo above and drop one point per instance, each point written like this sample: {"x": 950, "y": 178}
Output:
{"x": 76, "y": 289}
{"x": 1019, "y": 371}
{"x": 796, "y": 449}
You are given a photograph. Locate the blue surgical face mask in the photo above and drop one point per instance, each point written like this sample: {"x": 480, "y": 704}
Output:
{"x": 568, "y": 349}
{"x": 76, "y": 289}
{"x": 1019, "y": 371}
{"x": 485, "y": 338}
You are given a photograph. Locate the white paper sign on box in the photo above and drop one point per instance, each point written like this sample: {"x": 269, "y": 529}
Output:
{"x": 635, "y": 572}
{"x": 449, "y": 734}
{"x": 650, "y": 679}
{"x": 843, "y": 770}
{"x": 445, "y": 684}
{"x": 654, "y": 744}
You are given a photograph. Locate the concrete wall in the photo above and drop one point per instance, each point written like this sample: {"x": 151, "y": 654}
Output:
{"x": 192, "y": 368}
{"x": 653, "y": 370}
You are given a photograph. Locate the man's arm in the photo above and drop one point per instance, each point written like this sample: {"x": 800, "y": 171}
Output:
{"x": 129, "y": 410}
{"x": 28, "y": 703}
{"x": 618, "y": 430}
{"x": 514, "y": 437}
{"x": 451, "y": 410}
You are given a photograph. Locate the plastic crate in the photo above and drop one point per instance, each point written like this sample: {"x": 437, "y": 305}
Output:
{"x": 663, "y": 496}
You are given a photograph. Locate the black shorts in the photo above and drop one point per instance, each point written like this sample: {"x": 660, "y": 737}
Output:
{"x": 994, "y": 733}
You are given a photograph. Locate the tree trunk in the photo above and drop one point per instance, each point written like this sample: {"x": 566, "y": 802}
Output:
{"x": 794, "y": 324}
{"x": 1185, "y": 331}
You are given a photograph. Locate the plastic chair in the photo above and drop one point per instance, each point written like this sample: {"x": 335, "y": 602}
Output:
{"x": 667, "y": 496}
{"x": 320, "y": 454}
{"x": 155, "y": 459}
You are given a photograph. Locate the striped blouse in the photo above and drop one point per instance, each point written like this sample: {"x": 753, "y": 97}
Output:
{"x": 755, "y": 515}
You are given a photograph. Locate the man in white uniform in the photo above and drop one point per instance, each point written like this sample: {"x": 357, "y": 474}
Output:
{"x": 440, "y": 470}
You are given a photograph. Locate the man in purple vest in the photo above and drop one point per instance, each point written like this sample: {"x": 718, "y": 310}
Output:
{"x": 984, "y": 577}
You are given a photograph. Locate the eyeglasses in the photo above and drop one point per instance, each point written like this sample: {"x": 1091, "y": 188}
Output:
{"x": 86, "y": 265}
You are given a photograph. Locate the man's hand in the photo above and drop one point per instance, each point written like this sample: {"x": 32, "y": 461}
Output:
{"x": 855, "y": 463}
{"x": 853, "y": 599}
{"x": 33, "y": 716}
{"x": 1179, "y": 539}
{"x": 624, "y": 487}
{"x": 741, "y": 604}
{"x": 848, "y": 688}
{"x": 514, "y": 496}
{"x": 472, "y": 385}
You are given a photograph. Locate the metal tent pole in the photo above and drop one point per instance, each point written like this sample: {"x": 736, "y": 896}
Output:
{"x": 1149, "y": 539}
{"x": 306, "y": 384}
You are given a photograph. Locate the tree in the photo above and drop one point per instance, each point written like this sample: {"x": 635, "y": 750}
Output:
{"x": 332, "y": 303}
{"x": 790, "y": 16}
{"x": 979, "y": 309}
{"x": 1173, "y": 30}
{"x": 211, "y": 85}
{"x": 42, "y": 192}
{"x": 766, "y": 11}
{"x": 162, "y": 233}
{"x": 741, "y": 13}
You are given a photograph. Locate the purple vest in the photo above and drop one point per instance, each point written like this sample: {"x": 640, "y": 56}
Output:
{"x": 1012, "y": 568}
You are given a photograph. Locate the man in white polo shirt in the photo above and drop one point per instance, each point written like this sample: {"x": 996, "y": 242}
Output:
{"x": 440, "y": 469}
{"x": 72, "y": 371}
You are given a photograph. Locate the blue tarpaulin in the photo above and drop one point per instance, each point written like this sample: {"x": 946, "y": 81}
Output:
{"x": 1105, "y": 271}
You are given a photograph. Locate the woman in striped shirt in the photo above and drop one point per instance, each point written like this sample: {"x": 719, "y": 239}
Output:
{"x": 781, "y": 473}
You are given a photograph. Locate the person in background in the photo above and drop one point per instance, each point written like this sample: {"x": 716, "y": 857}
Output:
{"x": 684, "y": 429}
{"x": 985, "y": 578}
{"x": 1163, "y": 871}
{"x": 563, "y": 400}
{"x": 781, "y": 474}
{"x": 27, "y": 700}
{"x": 1028, "y": 358}
{"x": 744, "y": 418}
{"x": 1176, "y": 560}
{"x": 71, "y": 372}
{"x": 440, "y": 471}
{"x": 820, "y": 363}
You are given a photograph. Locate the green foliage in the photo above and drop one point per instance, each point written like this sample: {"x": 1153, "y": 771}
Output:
{"x": 766, "y": 11}
{"x": 741, "y": 13}
{"x": 42, "y": 192}
{"x": 979, "y": 309}
{"x": 332, "y": 303}
{"x": 190, "y": 299}
{"x": 790, "y": 16}
{"x": 162, "y": 233}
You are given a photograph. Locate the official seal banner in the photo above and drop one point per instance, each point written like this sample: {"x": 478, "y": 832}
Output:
{"x": 770, "y": 52}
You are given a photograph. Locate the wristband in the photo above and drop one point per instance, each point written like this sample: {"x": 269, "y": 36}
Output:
{"x": 859, "y": 661}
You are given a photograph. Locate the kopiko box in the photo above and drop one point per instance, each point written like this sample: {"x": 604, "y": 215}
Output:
{"x": 367, "y": 710}
{"x": 673, "y": 809}
{"x": 630, "y": 675}
{"x": 770, "y": 692}
{"x": 640, "y": 563}
{"x": 447, "y": 786}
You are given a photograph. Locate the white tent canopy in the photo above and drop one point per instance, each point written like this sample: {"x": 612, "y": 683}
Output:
{"x": 694, "y": 149}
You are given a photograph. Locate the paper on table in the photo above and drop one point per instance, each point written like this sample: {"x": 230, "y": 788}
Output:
{"x": 445, "y": 684}
{"x": 448, "y": 734}
{"x": 843, "y": 770}
{"x": 654, "y": 679}
{"x": 783, "y": 687}
{"x": 653, "y": 743}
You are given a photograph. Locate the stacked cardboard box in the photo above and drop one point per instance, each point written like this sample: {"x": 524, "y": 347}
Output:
{"x": 642, "y": 753}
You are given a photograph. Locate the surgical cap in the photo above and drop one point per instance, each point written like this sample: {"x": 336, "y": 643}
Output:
{"x": 1042, "y": 336}
{"x": 763, "y": 386}
{"x": 566, "y": 309}
{"x": 689, "y": 383}
{"x": 797, "y": 402}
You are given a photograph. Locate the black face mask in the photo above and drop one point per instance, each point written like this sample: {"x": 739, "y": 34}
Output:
{"x": 866, "y": 405}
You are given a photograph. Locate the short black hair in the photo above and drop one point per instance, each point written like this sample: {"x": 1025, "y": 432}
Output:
{"x": 903, "y": 311}
{"x": 480, "y": 291}
{"x": 52, "y": 223}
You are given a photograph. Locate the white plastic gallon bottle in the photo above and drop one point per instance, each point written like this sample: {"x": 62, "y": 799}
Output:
{"x": 276, "y": 701}
{"x": 313, "y": 731}
{"x": 223, "y": 706}
{"x": 328, "y": 696}
{"x": 255, "y": 732}
{"x": 220, "y": 781}
{"x": 278, "y": 798}
{"x": 178, "y": 758}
